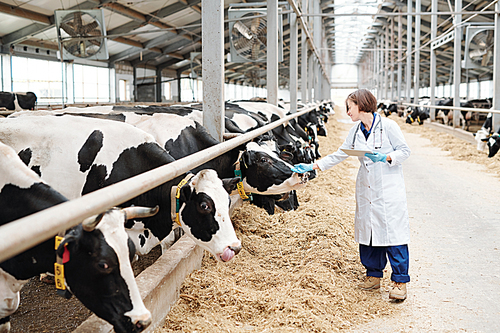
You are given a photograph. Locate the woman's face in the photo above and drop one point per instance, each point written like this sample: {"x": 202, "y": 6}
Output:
{"x": 352, "y": 110}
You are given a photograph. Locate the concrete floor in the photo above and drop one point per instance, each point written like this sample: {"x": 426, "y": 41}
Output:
{"x": 455, "y": 246}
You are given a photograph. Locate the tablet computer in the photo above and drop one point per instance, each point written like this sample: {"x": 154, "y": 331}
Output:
{"x": 356, "y": 152}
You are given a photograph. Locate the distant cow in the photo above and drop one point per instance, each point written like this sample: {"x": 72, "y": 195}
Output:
{"x": 96, "y": 255}
{"x": 17, "y": 101}
{"x": 482, "y": 135}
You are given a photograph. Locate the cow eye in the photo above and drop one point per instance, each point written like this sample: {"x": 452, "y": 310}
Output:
{"x": 205, "y": 207}
{"x": 103, "y": 266}
{"x": 263, "y": 160}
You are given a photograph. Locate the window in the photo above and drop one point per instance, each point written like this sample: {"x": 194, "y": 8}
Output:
{"x": 124, "y": 90}
{"x": 91, "y": 84}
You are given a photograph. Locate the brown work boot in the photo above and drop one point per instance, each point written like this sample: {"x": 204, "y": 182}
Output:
{"x": 370, "y": 283}
{"x": 398, "y": 291}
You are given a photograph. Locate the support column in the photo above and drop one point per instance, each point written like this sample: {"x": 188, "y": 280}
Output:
{"x": 310, "y": 77}
{"x": 393, "y": 46}
{"x": 417, "y": 50}
{"x": 385, "y": 70}
{"x": 496, "y": 70}
{"x": 158, "y": 85}
{"x": 409, "y": 33}
{"x": 294, "y": 52}
{"x": 400, "y": 55}
{"x": 272, "y": 51}
{"x": 303, "y": 60}
{"x": 212, "y": 24}
{"x": 134, "y": 84}
{"x": 434, "y": 9}
{"x": 179, "y": 87}
{"x": 457, "y": 58}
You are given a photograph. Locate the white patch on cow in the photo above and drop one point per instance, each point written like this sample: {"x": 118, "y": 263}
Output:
{"x": 37, "y": 113}
{"x": 163, "y": 126}
{"x": 268, "y": 109}
{"x": 206, "y": 181}
{"x": 112, "y": 228}
{"x": 9, "y": 293}
{"x": 480, "y": 136}
{"x": 292, "y": 183}
{"x": 43, "y": 134}
{"x": 244, "y": 122}
{"x": 18, "y": 173}
{"x": 103, "y": 109}
{"x": 492, "y": 140}
{"x": 136, "y": 233}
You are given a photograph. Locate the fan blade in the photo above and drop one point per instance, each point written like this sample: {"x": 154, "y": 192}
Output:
{"x": 255, "y": 25}
{"x": 77, "y": 17}
{"x": 95, "y": 42}
{"x": 71, "y": 46}
{"x": 68, "y": 29}
{"x": 486, "y": 58}
{"x": 91, "y": 27}
{"x": 243, "y": 29}
{"x": 489, "y": 37}
{"x": 477, "y": 53}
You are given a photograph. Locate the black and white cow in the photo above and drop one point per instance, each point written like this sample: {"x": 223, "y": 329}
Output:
{"x": 96, "y": 253}
{"x": 419, "y": 114}
{"x": 447, "y": 116}
{"x": 78, "y": 155}
{"x": 17, "y": 101}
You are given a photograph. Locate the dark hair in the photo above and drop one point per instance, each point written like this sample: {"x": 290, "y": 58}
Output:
{"x": 364, "y": 99}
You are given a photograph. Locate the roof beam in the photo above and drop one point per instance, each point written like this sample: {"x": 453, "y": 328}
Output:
{"x": 24, "y": 13}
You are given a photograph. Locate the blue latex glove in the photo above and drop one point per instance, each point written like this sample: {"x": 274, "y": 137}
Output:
{"x": 302, "y": 167}
{"x": 377, "y": 157}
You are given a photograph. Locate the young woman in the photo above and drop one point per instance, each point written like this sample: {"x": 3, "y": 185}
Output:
{"x": 381, "y": 220}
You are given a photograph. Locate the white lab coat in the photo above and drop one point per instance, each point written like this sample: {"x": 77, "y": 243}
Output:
{"x": 381, "y": 211}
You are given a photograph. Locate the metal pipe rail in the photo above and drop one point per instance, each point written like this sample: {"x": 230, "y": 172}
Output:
{"x": 452, "y": 108}
{"x": 22, "y": 234}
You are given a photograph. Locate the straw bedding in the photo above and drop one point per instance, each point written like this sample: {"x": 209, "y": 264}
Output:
{"x": 297, "y": 271}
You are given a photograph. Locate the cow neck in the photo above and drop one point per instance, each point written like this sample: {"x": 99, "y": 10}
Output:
{"x": 175, "y": 193}
{"x": 237, "y": 173}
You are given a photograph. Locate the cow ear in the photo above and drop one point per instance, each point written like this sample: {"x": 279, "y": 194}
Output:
{"x": 230, "y": 184}
{"x": 246, "y": 158}
{"x": 68, "y": 240}
{"x": 185, "y": 193}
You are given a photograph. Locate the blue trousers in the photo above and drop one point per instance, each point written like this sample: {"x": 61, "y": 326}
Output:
{"x": 374, "y": 258}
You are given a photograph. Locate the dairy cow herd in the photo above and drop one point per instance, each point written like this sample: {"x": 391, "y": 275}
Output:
{"x": 49, "y": 157}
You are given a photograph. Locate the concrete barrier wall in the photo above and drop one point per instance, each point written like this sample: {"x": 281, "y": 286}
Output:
{"x": 457, "y": 132}
{"x": 159, "y": 285}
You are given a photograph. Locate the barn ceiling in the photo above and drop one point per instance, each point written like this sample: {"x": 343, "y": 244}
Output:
{"x": 162, "y": 34}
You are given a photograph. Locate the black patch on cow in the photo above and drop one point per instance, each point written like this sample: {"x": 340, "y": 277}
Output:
{"x": 7, "y": 100}
{"x": 199, "y": 213}
{"x": 90, "y": 149}
{"x": 36, "y": 169}
{"x": 26, "y": 101}
{"x": 25, "y": 155}
{"x": 18, "y": 202}
{"x": 142, "y": 240}
{"x": 4, "y": 320}
{"x": 146, "y": 233}
{"x": 95, "y": 179}
{"x": 262, "y": 171}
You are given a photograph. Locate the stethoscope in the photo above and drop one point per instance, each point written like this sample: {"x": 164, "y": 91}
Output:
{"x": 359, "y": 126}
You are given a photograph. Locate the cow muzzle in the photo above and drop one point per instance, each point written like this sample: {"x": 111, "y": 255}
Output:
{"x": 230, "y": 252}
{"x": 142, "y": 324}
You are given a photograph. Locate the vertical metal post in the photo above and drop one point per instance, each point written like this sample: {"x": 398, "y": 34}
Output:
{"x": 435, "y": 9}
{"x": 393, "y": 46}
{"x": 409, "y": 37}
{"x": 400, "y": 54}
{"x": 379, "y": 66}
{"x": 134, "y": 69}
{"x": 272, "y": 51}
{"x": 310, "y": 76}
{"x": 303, "y": 60}
{"x": 212, "y": 23}
{"x": 457, "y": 58}
{"x": 496, "y": 70}
{"x": 179, "y": 86}
{"x": 317, "y": 42}
{"x": 158, "y": 85}
{"x": 294, "y": 53}
{"x": 375, "y": 68}
{"x": 386, "y": 63}
{"x": 417, "y": 50}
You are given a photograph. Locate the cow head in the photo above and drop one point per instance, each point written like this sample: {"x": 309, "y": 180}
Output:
{"x": 481, "y": 138}
{"x": 265, "y": 173}
{"x": 10, "y": 289}
{"x": 98, "y": 272}
{"x": 493, "y": 144}
{"x": 204, "y": 214}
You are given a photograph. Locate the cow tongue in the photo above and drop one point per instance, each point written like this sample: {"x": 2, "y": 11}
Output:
{"x": 227, "y": 255}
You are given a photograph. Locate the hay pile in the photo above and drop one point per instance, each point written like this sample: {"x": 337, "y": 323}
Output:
{"x": 297, "y": 271}
{"x": 458, "y": 148}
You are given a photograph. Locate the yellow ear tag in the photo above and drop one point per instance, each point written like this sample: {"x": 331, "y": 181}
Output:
{"x": 59, "y": 273}
{"x": 58, "y": 241}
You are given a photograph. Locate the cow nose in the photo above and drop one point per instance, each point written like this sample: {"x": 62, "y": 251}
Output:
{"x": 235, "y": 248}
{"x": 142, "y": 324}
{"x": 10, "y": 303}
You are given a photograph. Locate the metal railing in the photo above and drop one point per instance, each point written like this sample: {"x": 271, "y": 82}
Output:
{"x": 22, "y": 234}
{"x": 452, "y": 108}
